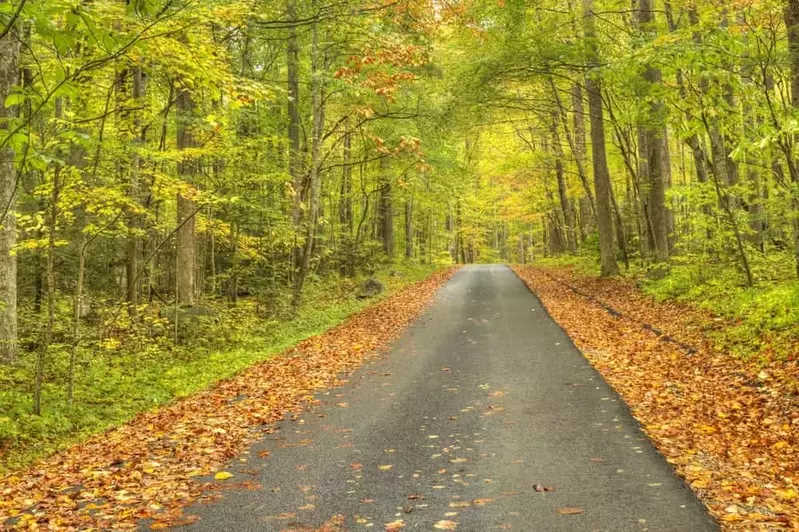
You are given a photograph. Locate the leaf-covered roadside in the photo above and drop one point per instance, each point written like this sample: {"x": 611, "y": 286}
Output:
{"x": 146, "y": 469}
{"x": 729, "y": 427}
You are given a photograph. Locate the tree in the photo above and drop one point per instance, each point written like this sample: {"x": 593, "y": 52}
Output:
{"x": 9, "y": 71}
{"x": 601, "y": 174}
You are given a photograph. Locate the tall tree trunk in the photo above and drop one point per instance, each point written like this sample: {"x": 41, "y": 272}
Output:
{"x": 315, "y": 182}
{"x": 9, "y": 71}
{"x": 656, "y": 149}
{"x": 186, "y": 206}
{"x": 133, "y": 245}
{"x": 295, "y": 162}
{"x": 602, "y": 184}
{"x": 791, "y": 14}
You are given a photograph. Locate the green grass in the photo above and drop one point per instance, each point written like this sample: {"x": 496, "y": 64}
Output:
{"x": 115, "y": 380}
{"x": 761, "y": 321}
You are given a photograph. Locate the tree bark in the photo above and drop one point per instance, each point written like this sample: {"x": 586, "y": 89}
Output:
{"x": 52, "y": 225}
{"x": 9, "y": 71}
{"x": 656, "y": 149}
{"x": 315, "y": 182}
{"x": 186, "y": 206}
{"x": 409, "y": 227}
{"x": 386, "y": 211}
{"x": 602, "y": 184}
{"x": 293, "y": 108}
{"x": 563, "y": 195}
{"x": 133, "y": 245}
{"x": 791, "y": 15}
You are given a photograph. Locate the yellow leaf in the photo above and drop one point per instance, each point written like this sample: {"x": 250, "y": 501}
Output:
{"x": 223, "y": 475}
{"x": 395, "y": 525}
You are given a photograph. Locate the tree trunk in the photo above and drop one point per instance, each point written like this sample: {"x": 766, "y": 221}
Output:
{"x": 791, "y": 14}
{"x": 345, "y": 203}
{"x": 186, "y": 206}
{"x": 601, "y": 174}
{"x": 293, "y": 108}
{"x": 563, "y": 196}
{"x": 9, "y": 60}
{"x": 133, "y": 245}
{"x": 52, "y": 224}
{"x": 656, "y": 149}
{"x": 409, "y": 228}
{"x": 315, "y": 183}
{"x": 77, "y": 310}
{"x": 386, "y": 211}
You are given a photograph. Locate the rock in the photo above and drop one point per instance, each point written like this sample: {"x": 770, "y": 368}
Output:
{"x": 371, "y": 288}
{"x": 85, "y": 309}
{"x": 658, "y": 271}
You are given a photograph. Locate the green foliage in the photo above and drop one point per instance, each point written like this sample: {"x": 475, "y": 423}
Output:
{"x": 138, "y": 368}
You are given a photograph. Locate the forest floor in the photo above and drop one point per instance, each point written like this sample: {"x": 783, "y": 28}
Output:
{"x": 150, "y": 467}
{"x": 126, "y": 366}
{"x": 728, "y": 424}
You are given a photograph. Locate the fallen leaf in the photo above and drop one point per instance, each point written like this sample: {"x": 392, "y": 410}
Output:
{"x": 395, "y": 525}
{"x": 223, "y": 475}
{"x": 570, "y": 511}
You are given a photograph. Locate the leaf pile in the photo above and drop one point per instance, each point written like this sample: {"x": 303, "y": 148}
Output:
{"x": 148, "y": 467}
{"x": 729, "y": 427}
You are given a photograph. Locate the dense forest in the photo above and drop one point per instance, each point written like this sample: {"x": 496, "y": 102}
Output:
{"x": 163, "y": 161}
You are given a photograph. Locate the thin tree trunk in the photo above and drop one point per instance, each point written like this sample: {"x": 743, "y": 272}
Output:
{"x": 186, "y": 206}
{"x": 77, "y": 312}
{"x": 133, "y": 246}
{"x": 409, "y": 227}
{"x": 52, "y": 224}
{"x": 386, "y": 211}
{"x": 563, "y": 196}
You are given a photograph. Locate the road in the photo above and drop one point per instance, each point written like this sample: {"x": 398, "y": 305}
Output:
{"x": 483, "y": 415}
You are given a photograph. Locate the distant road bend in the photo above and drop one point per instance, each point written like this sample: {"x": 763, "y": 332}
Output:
{"x": 483, "y": 416}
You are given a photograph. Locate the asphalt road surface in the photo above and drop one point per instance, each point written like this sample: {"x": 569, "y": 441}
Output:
{"x": 482, "y": 416}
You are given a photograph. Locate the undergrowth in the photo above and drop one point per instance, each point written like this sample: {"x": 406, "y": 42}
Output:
{"x": 134, "y": 365}
{"x": 751, "y": 321}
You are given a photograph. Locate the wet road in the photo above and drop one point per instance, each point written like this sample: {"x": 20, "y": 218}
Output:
{"x": 482, "y": 416}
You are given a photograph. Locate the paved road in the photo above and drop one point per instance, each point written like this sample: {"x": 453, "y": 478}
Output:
{"x": 481, "y": 400}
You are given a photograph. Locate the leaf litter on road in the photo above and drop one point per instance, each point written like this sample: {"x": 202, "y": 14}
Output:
{"x": 729, "y": 426}
{"x": 79, "y": 488}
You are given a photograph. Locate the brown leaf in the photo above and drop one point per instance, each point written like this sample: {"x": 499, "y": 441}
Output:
{"x": 570, "y": 511}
